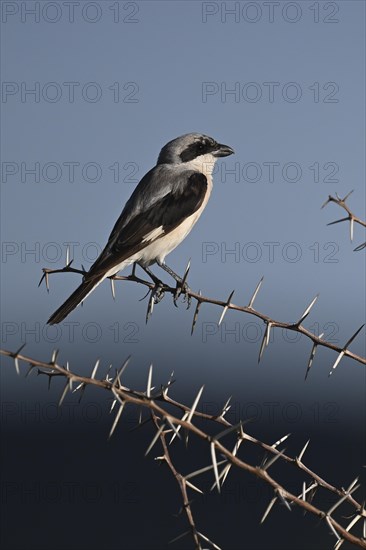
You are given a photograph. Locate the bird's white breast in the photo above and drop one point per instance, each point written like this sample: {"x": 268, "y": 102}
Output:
{"x": 164, "y": 245}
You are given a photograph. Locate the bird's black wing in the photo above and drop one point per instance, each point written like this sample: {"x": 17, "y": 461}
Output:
{"x": 149, "y": 208}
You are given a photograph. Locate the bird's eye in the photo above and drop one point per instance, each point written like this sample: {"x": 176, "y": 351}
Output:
{"x": 200, "y": 146}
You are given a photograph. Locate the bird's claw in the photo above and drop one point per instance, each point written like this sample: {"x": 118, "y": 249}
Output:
{"x": 187, "y": 298}
{"x": 182, "y": 289}
{"x": 158, "y": 293}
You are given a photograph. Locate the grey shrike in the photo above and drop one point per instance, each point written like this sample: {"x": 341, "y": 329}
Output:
{"x": 159, "y": 214}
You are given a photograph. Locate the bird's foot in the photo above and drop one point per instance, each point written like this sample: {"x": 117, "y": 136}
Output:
{"x": 187, "y": 298}
{"x": 153, "y": 277}
{"x": 156, "y": 295}
{"x": 158, "y": 292}
{"x": 182, "y": 288}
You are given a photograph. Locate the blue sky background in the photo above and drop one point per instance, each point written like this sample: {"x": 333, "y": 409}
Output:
{"x": 160, "y": 70}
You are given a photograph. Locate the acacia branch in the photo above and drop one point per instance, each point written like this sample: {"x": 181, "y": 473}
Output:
{"x": 157, "y": 289}
{"x": 351, "y": 217}
{"x": 165, "y": 422}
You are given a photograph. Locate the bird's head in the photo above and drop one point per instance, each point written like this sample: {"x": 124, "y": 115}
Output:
{"x": 193, "y": 147}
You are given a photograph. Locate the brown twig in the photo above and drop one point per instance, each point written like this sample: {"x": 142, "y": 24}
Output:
{"x": 351, "y": 217}
{"x": 159, "y": 403}
{"x": 157, "y": 288}
{"x": 182, "y": 483}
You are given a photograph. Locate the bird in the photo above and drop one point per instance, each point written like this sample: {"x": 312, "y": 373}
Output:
{"x": 160, "y": 213}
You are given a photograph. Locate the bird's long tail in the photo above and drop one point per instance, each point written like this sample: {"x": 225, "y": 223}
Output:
{"x": 74, "y": 300}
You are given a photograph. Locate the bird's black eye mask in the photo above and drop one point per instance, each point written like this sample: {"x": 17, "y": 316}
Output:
{"x": 196, "y": 149}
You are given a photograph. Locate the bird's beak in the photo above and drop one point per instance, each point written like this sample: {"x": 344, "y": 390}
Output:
{"x": 223, "y": 151}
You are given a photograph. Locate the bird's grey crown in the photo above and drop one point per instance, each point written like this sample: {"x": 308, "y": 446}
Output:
{"x": 185, "y": 148}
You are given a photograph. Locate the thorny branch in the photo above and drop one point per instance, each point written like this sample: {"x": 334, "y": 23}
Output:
{"x": 159, "y": 403}
{"x": 157, "y": 289}
{"x": 351, "y": 217}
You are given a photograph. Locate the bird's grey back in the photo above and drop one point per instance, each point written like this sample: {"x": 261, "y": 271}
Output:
{"x": 158, "y": 182}
{"x": 169, "y": 174}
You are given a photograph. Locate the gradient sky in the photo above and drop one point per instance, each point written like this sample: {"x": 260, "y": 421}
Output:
{"x": 286, "y": 89}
